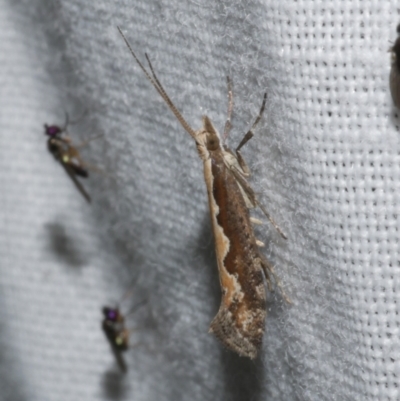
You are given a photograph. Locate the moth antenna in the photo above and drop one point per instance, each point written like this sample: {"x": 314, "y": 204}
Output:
{"x": 157, "y": 85}
{"x": 155, "y": 77}
{"x": 228, "y": 124}
{"x": 168, "y": 100}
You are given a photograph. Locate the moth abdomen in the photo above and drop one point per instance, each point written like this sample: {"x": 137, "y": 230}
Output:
{"x": 245, "y": 340}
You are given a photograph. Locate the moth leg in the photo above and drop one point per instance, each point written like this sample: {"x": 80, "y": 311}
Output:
{"x": 277, "y": 228}
{"x": 260, "y": 243}
{"x": 256, "y": 221}
{"x": 258, "y": 117}
{"x": 253, "y": 199}
{"x": 248, "y": 136}
{"x": 228, "y": 124}
{"x": 240, "y": 159}
{"x": 269, "y": 271}
{"x": 244, "y": 140}
{"x": 247, "y": 190}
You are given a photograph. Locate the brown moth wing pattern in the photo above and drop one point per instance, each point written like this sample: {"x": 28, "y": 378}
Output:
{"x": 240, "y": 321}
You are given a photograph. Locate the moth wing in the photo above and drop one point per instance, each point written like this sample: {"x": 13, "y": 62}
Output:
{"x": 249, "y": 195}
{"x": 250, "y": 198}
{"x": 235, "y": 167}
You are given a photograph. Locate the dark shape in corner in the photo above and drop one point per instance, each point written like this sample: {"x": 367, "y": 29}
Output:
{"x": 394, "y": 79}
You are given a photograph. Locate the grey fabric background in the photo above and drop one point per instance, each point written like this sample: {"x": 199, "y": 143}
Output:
{"x": 325, "y": 162}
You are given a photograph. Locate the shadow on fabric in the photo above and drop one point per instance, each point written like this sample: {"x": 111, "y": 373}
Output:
{"x": 114, "y": 385}
{"x": 64, "y": 246}
{"x": 243, "y": 377}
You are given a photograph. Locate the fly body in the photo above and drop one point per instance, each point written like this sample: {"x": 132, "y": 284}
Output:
{"x": 60, "y": 146}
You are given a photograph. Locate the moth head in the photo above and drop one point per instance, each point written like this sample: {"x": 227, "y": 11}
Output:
{"x": 211, "y": 138}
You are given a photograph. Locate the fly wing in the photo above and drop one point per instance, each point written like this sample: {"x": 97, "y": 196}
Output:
{"x": 109, "y": 331}
{"x": 71, "y": 173}
{"x": 120, "y": 359}
{"x": 78, "y": 170}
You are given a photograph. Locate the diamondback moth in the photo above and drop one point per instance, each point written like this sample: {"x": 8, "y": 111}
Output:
{"x": 240, "y": 321}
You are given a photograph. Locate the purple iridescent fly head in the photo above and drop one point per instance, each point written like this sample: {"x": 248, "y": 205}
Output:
{"x": 52, "y": 130}
{"x": 111, "y": 313}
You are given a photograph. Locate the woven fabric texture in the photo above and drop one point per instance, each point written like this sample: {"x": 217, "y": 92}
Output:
{"x": 325, "y": 163}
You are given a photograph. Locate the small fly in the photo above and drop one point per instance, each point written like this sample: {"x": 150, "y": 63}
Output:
{"x": 61, "y": 147}
{"x": 116, "y": 332}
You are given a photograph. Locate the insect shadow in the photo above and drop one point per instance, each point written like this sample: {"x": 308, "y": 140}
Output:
{"x": 64, "y": 246}
{"x": 114, "y": 385}
{"x": 243, "y": 377}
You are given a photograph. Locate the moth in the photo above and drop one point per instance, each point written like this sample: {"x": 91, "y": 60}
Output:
{"x": 394, "y": 78}
{"x": 61, "y": 147}
{"x": 240, "y": 321}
